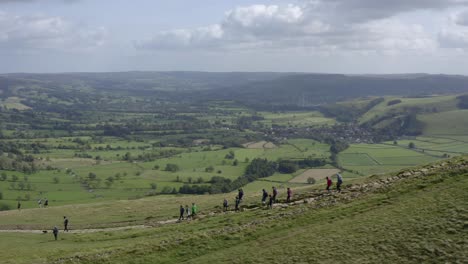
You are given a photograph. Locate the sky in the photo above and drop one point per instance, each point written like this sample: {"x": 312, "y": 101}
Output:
{"x": 330, "y": 36}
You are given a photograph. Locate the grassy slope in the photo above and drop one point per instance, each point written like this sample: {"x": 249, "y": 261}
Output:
{"x": 416, "y": 221}
{"x": 446, "y": 123}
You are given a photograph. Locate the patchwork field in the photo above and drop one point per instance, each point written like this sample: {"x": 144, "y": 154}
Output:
{"x": 364, "y": 159}
{"x": 260, "y": 145}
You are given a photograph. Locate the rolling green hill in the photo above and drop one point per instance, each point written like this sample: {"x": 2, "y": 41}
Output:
{"x": 415, "y": 216}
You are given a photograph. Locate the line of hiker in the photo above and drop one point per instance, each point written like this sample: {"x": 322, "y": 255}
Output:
{"x": 270, "y": 199}
{"x": 188, "y": 212}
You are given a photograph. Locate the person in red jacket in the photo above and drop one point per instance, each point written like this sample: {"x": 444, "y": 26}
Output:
{"x": 329, "y": 183}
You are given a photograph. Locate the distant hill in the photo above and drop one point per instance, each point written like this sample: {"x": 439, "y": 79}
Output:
{"x": 258, "y": 90}
{"x": 314, "y": 89}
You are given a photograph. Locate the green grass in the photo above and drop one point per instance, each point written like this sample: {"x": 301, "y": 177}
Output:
{"x": 366, "y": 159}
{"x": 446, "y": 123}
{"x": 299, "y": 119}
{"x": 415, "y": 221}
{"x": 441, "y": 103}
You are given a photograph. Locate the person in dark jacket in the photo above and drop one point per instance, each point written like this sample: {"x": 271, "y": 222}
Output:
{"x": 270, "y": 202}
{"x": 65, "y": 224}
{"x": 237, "y": 203}
{"x": 241, "y": 194}
{"x": 288, "y": 199}
{"x": 19, "y": 205}
{"x": 275, "y": 193}
{"x": 182, "y": 211}
{"x": 264, "y": 196}
{"x": 55, "y": 232}
{"x": 339, "y": 182}
{"x": 46, "y": 202}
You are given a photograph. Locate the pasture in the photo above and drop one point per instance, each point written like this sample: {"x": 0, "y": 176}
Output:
{"x": 316, "y": 174}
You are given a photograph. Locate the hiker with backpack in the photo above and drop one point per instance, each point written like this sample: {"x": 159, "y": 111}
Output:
{"x": 225, "y": 205}
{"x": 241, "y": 194}
{"x": 264, "y": 196}
{"x": 339, "y": 182}
{"x": 46, "y": 203}
{"x": 182, "y": 211}
{"x": 288, "y": 199}
{"x": 329, "y": 183}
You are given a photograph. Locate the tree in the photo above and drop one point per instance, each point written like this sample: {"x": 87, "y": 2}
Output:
{"x": 3, "y": 176}
{"x": 209, "y": 169}
{"x": 14, "y": 178}
{"x": 1, "y": 195}
{"x": 172, "y": 167}
{"x": 56, "y": 180}
{"x": 230, "y": 155}
{"x": 92, "y": 176}
{"x": 411, "y": 145}
{"x": 311, "y": 180}
{"x": 154, "y": 186}
{"x": 200, "y": 180}
{"x": 235, "y": 163}
{"x": 21, "y": 185}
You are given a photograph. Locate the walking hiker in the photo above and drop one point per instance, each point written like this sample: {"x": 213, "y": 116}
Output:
{"x": 19, "y": 205}
{"x": 182, "y": 211}
{"x": 194, "y": 210}
{"x": 188, "y": 212}
{"x": 237, "y": 203}
{"x": 288, "y": 199}
{"x": 264, "y": 196}
{"x": 46, "y": 203}
{"x": 339, "y": 182}
{"x": 225, "y": 205}
{"x": 65, "y": 224}
{"x": 241, "y": 194}
{"x": 55, "y": 232}
{"x": 39, "y": 202}
{"x": 275, "y": 193}
{"x": 270, "y": 202}
{"x": 329, "y": 183}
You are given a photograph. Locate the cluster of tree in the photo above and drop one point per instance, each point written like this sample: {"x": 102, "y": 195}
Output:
{"x": 393, "y": 102}
{"x": 463, "y": 101}
{"x": 151, "y": 156}
{"x": 291, "y": 166}
{"x": 258, "y": 168}
{"x": 349, "y": 113}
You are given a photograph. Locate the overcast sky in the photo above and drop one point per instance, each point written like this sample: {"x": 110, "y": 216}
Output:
{"x": 335, "y": 36}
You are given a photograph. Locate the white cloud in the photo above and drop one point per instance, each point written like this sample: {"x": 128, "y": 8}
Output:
{"x": 293, "y": 26}
{"x": 44, "y": 32}
{"x": 462, "y": 18}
